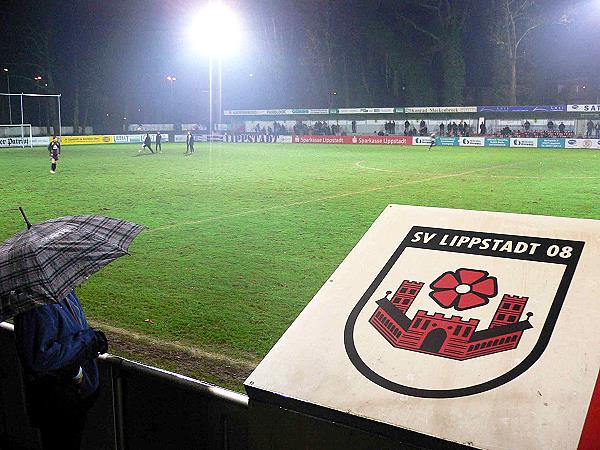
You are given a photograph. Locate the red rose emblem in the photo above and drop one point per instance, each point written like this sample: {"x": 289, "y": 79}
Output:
{"x": 464, "y": 289}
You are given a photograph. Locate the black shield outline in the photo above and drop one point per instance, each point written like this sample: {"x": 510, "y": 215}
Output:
{"x": 513, "y": 373}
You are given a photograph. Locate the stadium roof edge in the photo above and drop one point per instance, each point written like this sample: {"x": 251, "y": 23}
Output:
{"x": 413, "y": 110}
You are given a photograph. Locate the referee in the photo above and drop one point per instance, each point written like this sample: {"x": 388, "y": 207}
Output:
{"x": 54, "y": 152}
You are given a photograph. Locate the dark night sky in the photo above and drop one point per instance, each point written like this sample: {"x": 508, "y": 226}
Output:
{"x": 124, "y": 51}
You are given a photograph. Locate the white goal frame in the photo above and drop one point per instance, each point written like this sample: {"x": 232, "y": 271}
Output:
{"x": 23, "y": 135}
{"x": 23, "y": 124}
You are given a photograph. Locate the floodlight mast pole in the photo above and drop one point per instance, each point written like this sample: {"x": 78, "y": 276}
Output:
{"x": 9, "y": 103}
{"x": 59, "y": 120}
{"x": 22, "y": 121}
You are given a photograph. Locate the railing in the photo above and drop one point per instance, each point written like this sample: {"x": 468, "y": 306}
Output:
{"x": 139, "y": 407}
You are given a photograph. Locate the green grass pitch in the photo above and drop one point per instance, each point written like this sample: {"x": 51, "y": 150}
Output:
{"x": 240, "y": 237}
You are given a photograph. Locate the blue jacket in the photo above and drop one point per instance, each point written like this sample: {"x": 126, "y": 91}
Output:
{"x": 54, "y": 341}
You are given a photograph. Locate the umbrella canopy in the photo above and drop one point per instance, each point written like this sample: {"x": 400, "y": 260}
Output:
{"x": 45, "y": 262}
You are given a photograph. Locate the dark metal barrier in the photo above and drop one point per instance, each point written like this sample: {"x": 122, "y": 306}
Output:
{"x": 139, "y": 407}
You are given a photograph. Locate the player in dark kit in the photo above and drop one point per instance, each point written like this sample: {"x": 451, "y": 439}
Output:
{"x": 158, "y": 142}
{"x": 147, "y": 142}
{"x": 189, "y": 143}
{"x": 54, "y": 151}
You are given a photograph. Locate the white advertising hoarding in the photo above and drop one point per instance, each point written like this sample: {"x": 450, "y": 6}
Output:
{"x": 523, "y": 142}
{"x": 583, "y": 108}
{"x": 472, "y": 141}
{"x": 36, "y": 141}
{"x": 440, "y": 109}
{"x": 582, "y": 143}
{"x": 421, "y": 140}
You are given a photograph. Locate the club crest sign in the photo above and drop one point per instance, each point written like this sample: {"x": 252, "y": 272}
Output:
{"x": 476, "y": 309}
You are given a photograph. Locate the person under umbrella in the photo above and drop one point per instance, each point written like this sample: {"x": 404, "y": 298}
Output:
{"x": 39, "y": 268}
{"x": 58, "y": 350}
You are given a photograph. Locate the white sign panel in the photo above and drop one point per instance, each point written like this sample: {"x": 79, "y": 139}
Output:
{"x": 523, "y": 142}
{"x": 473, "y": 327}
{"x": 421, "y": 140}
{"x": 441, "y": 109}
{"x": 36, "y": 141}
{"x": 582, "y": 143}
{"x": 583, "y": 108}
{"x": 365, "y": 110}
{"x": 472, "y": 141}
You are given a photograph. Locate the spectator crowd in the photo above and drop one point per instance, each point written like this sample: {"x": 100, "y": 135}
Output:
{"x": 550, "y": 132}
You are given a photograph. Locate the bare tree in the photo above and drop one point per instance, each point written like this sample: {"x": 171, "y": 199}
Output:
{"x": 513, "y": 21}
{"x": 443, "y": 25}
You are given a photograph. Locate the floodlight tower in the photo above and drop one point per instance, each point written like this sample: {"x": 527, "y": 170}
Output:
{"x": 215, "y": 33}
{"x": 9, "y": 96}
{"x": 171, "y": 79}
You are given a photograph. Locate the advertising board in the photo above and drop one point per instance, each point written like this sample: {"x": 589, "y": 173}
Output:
{"x": 446, "y": 140}
{"x": 421, "y": 140}
{"x": 531, "y": 108}
{"x": 551, "y": 143}
{"x": 472, "y": 141}
{"x": 497, "y": 142}
{"x": 582, "y": 143}
{"x": 79, "y": 140}
{"x": 584, "y": 108}
{"x": 20, "y": 142}
{"x": 523, "y": 142}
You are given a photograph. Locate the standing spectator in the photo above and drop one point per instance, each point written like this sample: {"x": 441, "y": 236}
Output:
{"x": 590, "y": 128}
{"x": 461, "y": 128}
{"x": 482, "y": 129}
{"x": 455, "y": 129}
{"x": 526, "y": 125}
{"x": 550, "y": 125}
{"x": 189, "y": 143}
{"x": 441, "y": 128}
{"x": 158, "y": 142}
{"x": 406, "y": 126}
{"x": 393, "y": 127}
{"x": 597, "y": 130}
{"x": 422, "y": 124}
{"x": 54, "y": 152}
{"x": 58, "y": 350}
{"x": 354, "y": 127}
{"x": 561, "y": 127}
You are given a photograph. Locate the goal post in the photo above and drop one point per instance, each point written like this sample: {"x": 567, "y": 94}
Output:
{"x": 19, "y": 135}
{"x": 37, "y": 114}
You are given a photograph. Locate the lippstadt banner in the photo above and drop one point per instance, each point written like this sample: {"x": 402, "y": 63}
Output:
{"x": 377, "y": 140}
{"x": 472, "y": 327}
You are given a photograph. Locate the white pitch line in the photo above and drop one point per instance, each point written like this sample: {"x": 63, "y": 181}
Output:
{"x": 360, "y": 166}
{"x": 328, "y": 197}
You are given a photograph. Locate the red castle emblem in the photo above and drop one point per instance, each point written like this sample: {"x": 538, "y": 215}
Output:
{"x": 452, "y": 337}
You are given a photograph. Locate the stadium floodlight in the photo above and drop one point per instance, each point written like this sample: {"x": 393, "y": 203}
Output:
{"x": 215, "y": 31}
{"x": 9, "y": 102}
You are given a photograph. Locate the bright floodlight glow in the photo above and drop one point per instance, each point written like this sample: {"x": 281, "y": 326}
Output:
{"x": 215, "y": 31}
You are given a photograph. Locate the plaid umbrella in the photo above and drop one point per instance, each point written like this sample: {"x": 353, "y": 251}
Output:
{"x": 43, "y": 263}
